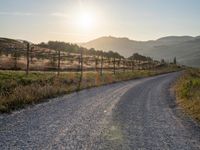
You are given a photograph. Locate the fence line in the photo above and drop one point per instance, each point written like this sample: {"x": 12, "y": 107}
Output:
{"x": 57, "y": 59}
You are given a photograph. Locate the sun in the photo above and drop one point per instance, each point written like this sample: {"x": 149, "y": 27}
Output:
{"x": 86, "y": 21}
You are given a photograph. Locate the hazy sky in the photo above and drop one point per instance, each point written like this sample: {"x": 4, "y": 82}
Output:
{"x": 83, "y": 20}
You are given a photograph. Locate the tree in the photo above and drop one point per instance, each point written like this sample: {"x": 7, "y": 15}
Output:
{"x": 162, "y": 61}
{"x": 74, "y": 48}
{"x": 137, "y": 56}
{"x": 175, "y": 60}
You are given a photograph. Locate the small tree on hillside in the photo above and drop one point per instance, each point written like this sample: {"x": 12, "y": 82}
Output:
{"x": 162, "y": 61}
{"x": 175, "y": 60}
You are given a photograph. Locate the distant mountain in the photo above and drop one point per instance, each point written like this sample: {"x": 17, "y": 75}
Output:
{"x": 185, "y": 48}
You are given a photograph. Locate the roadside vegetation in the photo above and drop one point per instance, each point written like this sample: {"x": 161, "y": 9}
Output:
{"x": 188, "y": 93}
{"x": 18, "y": 90}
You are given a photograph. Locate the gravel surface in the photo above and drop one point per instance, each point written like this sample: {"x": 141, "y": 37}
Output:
{"x": 137, "y": 114}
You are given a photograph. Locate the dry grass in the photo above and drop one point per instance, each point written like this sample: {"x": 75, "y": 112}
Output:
{"x": 18, "y": 90}
{"x": 188, "y": 93}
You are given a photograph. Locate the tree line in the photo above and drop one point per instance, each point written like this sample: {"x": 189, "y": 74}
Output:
{"x": 74, "y": 48}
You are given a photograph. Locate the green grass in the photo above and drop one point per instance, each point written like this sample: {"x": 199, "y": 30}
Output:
{"x": 188, "y": 92}
{"x": 18, "y": 90}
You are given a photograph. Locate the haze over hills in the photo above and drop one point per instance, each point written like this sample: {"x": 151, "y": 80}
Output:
{"x": 185, "y": 48}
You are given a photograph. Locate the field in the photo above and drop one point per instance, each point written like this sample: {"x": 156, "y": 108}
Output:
{"x": 188, "y": 93}
{"x": 39, "y": 72}
{"x": 18, "y": 90}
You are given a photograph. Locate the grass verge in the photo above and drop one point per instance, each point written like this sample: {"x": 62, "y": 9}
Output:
{"x": 18, "y": 90}
{"x": 188, "y": 93}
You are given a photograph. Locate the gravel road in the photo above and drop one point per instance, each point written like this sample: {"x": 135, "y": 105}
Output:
{"x": 137, "y": 114}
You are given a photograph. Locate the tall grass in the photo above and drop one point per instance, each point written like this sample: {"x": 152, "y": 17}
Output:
{"x": 18, "y": 90}
{"x": 188, "y": 92}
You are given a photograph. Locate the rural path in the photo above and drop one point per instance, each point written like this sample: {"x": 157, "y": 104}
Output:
{"x": 137, "y": 114}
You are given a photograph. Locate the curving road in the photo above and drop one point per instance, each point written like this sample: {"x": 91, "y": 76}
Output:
{"x": 137, "y": 114}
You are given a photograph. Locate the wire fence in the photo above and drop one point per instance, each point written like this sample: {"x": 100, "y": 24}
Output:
{"x": 33, "y": 58}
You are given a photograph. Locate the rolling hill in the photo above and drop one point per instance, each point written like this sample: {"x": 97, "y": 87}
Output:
{"x": 185, "y": 48}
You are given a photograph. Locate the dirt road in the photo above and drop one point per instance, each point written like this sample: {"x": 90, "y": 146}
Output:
{"x": 137, "y": 114}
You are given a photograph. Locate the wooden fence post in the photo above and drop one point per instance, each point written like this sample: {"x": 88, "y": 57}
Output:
{"x": 132, "y": 64}
{"x": 15, "y": 58}
{"x": 149, "y": 64}
{"x": 81, "y": 70}
{"x": 96, "y": 63}
{"x": 27, "y": 58}
{"x": 124, "y": 65}
{"x": 31, "y": 54}
{"x": 58, "y": 63}
{"x": 114, "y": 69}
{"x": 139, "y": 65}
{"x": 101, "y": 73}
{"x": 81, "y": 65}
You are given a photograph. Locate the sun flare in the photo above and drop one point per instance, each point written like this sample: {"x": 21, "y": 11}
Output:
{"x": 86, "y": 21}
